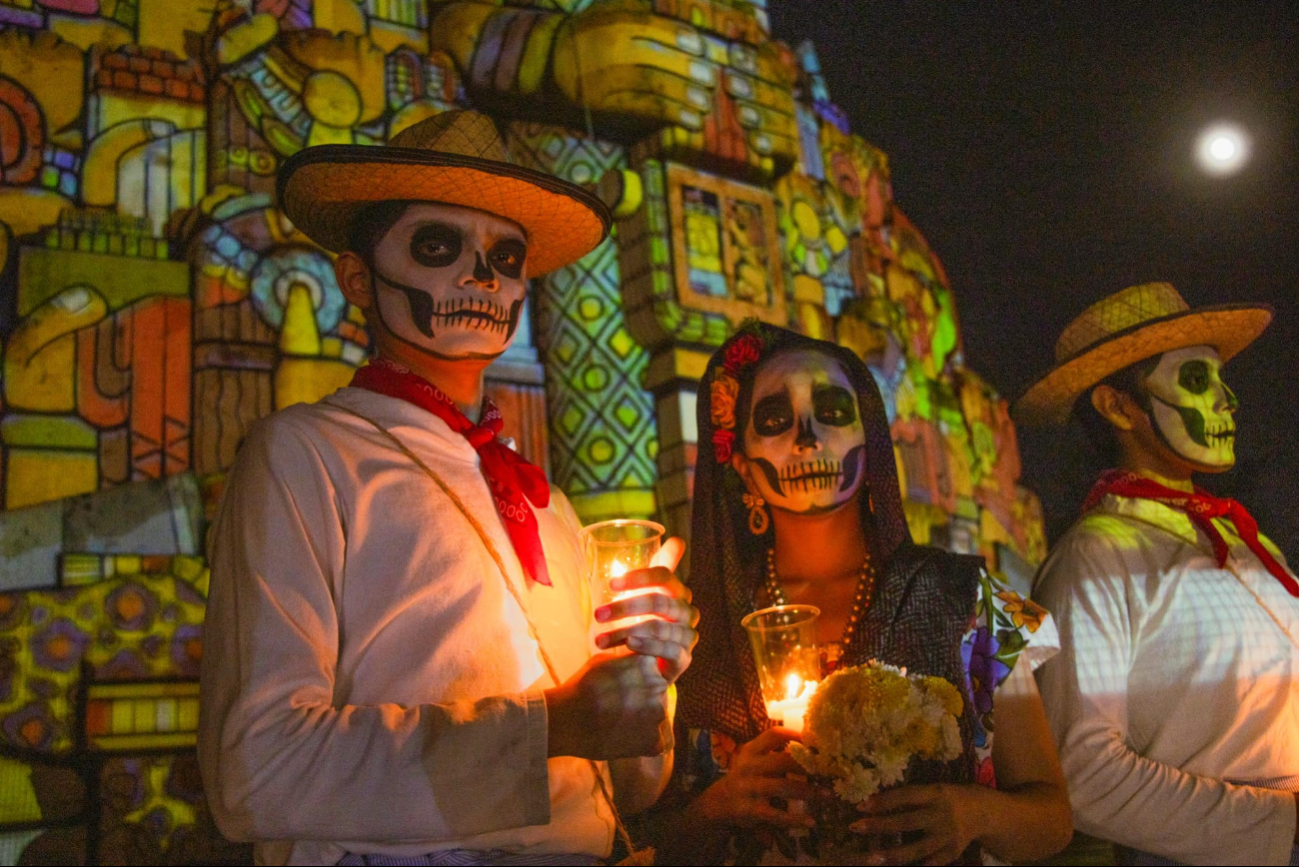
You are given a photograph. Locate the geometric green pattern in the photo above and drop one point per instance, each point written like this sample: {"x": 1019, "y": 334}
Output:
{"x": 603, "y": 434}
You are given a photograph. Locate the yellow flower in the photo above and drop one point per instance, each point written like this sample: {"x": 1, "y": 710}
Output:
{"x": 725, "y": 391}
{"x": 1023, "y": 612}
{"x": 946, "y": 694}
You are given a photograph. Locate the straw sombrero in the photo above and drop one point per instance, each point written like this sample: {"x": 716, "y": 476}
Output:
{"x": 1127, "y": 327}
{"x": 453, "y": 158}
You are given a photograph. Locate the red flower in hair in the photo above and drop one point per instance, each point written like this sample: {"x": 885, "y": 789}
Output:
{"x": 723, "y": 444}
{"x": 744, "y": 351}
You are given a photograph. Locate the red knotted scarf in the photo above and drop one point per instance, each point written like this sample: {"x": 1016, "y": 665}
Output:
{"x": 513, "y": 481}
{"x": 1201, "y": 508}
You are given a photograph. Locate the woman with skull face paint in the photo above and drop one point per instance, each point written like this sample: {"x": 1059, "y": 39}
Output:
{"x": 796, "y": 500}
{"x": 1175, "y": 701}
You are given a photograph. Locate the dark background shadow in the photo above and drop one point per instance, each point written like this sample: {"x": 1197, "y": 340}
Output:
{"x": 1046, "y": 151}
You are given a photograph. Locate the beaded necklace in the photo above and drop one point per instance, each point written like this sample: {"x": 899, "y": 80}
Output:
{"x": 861, "y": 601}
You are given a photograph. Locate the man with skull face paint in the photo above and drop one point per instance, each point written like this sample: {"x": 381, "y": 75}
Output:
{"x": 396, "y": 647}
{"x": 1175, "y": 701}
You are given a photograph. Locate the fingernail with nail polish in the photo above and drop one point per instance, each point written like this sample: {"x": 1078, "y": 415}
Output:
{"x": 602, "y": 614}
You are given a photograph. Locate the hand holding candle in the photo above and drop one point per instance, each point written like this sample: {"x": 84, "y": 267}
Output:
{"x": 789, "y": 667}
{"x": 640, "y": 602}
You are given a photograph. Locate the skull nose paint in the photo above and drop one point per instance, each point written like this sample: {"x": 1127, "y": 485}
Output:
{"x": 805, "y": 438}
{"x": 1233, "y": 403}
{"x": 482, "y": 273}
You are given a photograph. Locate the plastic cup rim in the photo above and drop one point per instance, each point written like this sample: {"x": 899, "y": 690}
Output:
{"x": 588, "y": 532}
{"x": 748, "y": 620}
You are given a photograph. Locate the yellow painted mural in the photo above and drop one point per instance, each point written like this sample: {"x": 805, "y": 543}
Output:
{"x": 155, "y": 303}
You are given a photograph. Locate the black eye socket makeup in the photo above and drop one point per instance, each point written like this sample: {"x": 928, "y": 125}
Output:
{"x": 773, "y": 415}
{"x": 834, "y": 406}
{"x": 1194, "y": 376}
{"x": 507, "y": 257}
{"x": 436, "y": 245}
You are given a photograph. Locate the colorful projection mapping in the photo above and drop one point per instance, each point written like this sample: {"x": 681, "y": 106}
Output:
{"x": 156, "y": 304}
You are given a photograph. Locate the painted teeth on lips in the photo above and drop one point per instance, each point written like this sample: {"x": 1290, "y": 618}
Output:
{"x": 815, "y": 476}
{"x": 478, "y": 314}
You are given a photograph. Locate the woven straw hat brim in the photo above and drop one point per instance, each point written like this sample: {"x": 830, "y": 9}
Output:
{"x": 1228, "y": 328}
{"x": 323, "y": 188}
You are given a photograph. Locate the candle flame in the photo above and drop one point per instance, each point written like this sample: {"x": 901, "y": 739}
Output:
{"x": 793, "y": 685}
{"x": 617, "y": 569}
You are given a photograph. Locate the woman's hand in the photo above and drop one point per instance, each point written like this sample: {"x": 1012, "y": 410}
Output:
{"x": 759, "y": 772}
{"x": 947, "y": 815}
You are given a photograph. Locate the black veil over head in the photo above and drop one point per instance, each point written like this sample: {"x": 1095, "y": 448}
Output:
{"x": 720, "y": 690}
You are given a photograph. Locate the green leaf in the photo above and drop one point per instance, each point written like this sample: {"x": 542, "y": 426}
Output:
{"x": 1011, "y": 640}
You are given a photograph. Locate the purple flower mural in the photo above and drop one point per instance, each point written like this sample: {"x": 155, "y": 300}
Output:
{"x": 32, "y": 728}
{"x": 60, "y": 645}
{"x": 187, "y": 649}
{"x": 131, "y": 607}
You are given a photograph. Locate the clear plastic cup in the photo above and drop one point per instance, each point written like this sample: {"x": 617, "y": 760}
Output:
{"x": 789, "y": 663}
{"x": 612, "y": 549}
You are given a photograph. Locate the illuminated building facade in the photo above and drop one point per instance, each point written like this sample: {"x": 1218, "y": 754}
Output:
{"x": 156, "y": 304}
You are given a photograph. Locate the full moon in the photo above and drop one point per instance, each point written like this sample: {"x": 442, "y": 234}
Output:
{"x": 1222, "y": 149}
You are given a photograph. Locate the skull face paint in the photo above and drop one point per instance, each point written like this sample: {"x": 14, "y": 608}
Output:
{"x": 1192, "y": 408}
{"x": 451, "y": 281}
{"x": 805, "y": 434}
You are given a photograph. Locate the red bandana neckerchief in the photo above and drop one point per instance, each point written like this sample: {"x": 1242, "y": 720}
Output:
{"x": 1201, "y": 508}
{"x": 513, "y": 481}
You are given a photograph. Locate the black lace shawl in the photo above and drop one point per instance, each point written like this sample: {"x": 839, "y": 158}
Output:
{"x": 924, "y": 597}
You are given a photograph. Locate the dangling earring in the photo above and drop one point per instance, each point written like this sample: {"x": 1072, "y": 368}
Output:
{"x": 758, "y": 519}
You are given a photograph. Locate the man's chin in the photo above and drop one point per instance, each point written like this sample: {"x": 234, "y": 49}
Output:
{"x": 1206, "y": 464}
{"x": 1213, "y": 468}
{"x": 448, "y": 348}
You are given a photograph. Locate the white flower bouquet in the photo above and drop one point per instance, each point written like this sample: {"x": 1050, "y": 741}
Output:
{"x": 866, "y": 723}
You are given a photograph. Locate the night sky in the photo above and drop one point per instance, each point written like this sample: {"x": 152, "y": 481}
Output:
{"x": 1047, "y": 153}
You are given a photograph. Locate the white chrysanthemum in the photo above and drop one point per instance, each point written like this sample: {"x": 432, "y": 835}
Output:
{"x": 866, "y": 723}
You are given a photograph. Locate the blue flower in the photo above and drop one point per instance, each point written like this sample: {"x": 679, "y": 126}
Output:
{"x": 983, "y": 670}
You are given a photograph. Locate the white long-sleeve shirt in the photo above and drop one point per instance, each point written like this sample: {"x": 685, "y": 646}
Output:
{"x": 1176, "y": 677}
{"x": 369, "y": 682}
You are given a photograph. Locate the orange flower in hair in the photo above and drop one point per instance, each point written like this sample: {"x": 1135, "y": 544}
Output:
{"x": 722, "y": 397}
{"x": 724, "y": 392}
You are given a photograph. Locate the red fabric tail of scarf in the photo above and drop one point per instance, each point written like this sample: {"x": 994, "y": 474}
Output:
{"x": 516, "y": 485}
{"x": 1201, "y": 508}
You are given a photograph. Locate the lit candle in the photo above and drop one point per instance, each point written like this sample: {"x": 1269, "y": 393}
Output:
{"x": 790, "y": 710}
{"x": 616, "y": 570}
{"x": 787, "y": 659}
{"x": 613, "y": 549}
